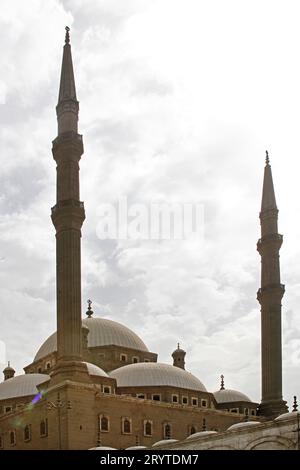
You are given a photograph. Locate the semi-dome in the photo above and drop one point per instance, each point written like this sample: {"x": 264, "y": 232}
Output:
{"x": 95, "y": 370}
{"x": 148, "y": 374}
{"x": 102, "y": 332}
{"x": 229, "y": 396}
{"x": 21, "y": 385}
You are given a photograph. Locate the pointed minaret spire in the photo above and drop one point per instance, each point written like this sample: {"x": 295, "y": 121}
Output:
{"x": 269, "y": 296}
{"x": 268, "y": 201}
{"x": 67, "y": 107}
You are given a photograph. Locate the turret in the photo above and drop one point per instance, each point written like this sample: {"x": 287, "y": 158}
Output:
{"x": 8, "y": 372}
{"x": 178, "y": 357}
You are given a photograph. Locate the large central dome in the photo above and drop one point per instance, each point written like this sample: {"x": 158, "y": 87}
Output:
{"x": 102, "y": 332}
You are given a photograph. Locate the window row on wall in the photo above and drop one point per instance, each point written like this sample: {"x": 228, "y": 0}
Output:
{"x": 246, "y": 411}
{"x": 133, "y": 359}
{"x": 126, "y": 426}
{"x": 26, "y": 434}
{"x": 185, "y": 400}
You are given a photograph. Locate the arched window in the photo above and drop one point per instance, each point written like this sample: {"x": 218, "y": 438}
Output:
{"x": 12, "y": 437}
{"x": 104, "y": 423}
{"x": 148, "y": 428}
{"x": 126, "y": 425}
{"x": 44, "y": 428}
{"x": 167, "y": 431}
{"x": 27, "y": 432}
{"x": 192, "y": 430}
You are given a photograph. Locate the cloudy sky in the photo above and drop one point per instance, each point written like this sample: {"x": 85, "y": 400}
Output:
{"x": 179, "y": 99}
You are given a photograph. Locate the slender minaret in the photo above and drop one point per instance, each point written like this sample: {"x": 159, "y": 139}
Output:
{"x": 68, "y": 216}
{"x": 269, "y": 297}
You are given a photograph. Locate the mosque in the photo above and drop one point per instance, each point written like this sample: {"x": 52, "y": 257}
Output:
{"x": 94, "y": 383}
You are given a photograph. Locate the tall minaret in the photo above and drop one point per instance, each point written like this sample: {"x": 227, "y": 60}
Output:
{"x": 269, "y": 297}
{"x": 68, "y": 216}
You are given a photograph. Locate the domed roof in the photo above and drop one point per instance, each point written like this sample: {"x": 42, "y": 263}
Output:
{"x": 103, "y": 448}
{"x": 147, "y": 374}
{"x": 136, "y": 447}
{"x": 229, "y": 396}
{"x": 102, "y": 332}
{"x": 21, "y": 385}
{"x": 201, "y": 434}
{"x": 164, "y": 441}
{"x": 289, "y": 415}
{"x": 95, "y": 370}
{"x": 244, "y": 424}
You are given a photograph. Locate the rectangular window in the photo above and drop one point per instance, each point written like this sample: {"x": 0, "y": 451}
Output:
{"x": 156, "y": 397}
{"x": 253, "y": 412}
{"x": 27, "y": 433}
{"x": 246, "y": 411}
{"x": 234, "y": 410}
{"x": 12, "y": 438}
{"x": 204, "y": 403}
{"x": 1, "y": 442}
{"x": 8, "y": 409}
{"x": 140, "y": 395}
{"x": 104, "y": 423}
{"x": 146, "y": 360}
{"x": 106, "y": 389}
{"x": 194, "y": 401}
{"x": 184, "y": 400}
{"x": 44, "y": 428}
{"x": 175, "y": 398}
{"x": 135, "y": 359}
{"x": 148, "y": 428}
{"x": 126, "y": 426}
{"x": 123, "y": 357}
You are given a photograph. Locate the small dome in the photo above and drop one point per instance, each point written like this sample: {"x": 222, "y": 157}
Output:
{"x": 9, "y": 369}
{"x": 201, "y": 434}
{"x": 102, "y": 332}
{"x": 290, "y": 415}
{"x": 95, "y": 370}
{"x": 229, "y": 396}
{"x": 164, "y": 441}
{"x": 136, "y": 447}
{"x": 21, "y": 385}
{"x": 103, "y": 448}
{"x": 149, "y": 374}
{"x": 244, "y": 424}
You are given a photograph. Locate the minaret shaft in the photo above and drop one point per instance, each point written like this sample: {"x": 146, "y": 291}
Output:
{"x": 68, "y": 216}
{"x": 269, "y": 296}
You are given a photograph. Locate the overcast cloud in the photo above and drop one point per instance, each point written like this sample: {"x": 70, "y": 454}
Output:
{"x": 179, "y": 99}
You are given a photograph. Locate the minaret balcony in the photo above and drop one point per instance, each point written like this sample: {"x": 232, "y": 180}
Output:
{"x": 274, "y": 239}
{"x": 271, "y": 290}
{"x": 68, "y": 214}
{"x": 68, "y": 145}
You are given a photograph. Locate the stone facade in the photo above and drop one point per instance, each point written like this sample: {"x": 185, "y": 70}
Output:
{"x": 75, "y": 424}
{"x": 272, "y": 435}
